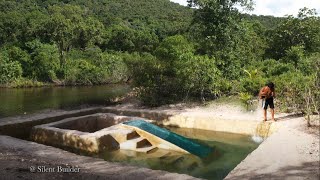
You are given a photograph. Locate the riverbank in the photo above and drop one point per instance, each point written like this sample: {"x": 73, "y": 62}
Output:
{"x": 27, "y": 83}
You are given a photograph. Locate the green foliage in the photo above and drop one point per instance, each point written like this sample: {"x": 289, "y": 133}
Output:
{"x": 124, "y": 38}
{"x": 199, "y": 76}
{"x": 293, "y": 32}
{"x": 245, "y": 98}
{"x": 81, "y": 72}
{"x": 221, "y": 33}
{"x": 290, "y": 88}
{"x": 173, "y": 47}
{"x": 168, "y": 52}
{"x": 272, "y": 68}
{"x": 121, "y": 39}
{"x": 9, "y": 70}
{"x": 93, "y": 66}
{"x": 115, "y": 67}
{"x": 308, "y": 65}
{"x": 68, "y": 26}
{"x": 294, "y": 55}
{"x": 11, "y": 26}
{"x": 268, "y": 22}
{"x": 24, "y": 83}
{"x": 17, "y": 54}
{"x": 44, "y": 61}
{"x": 147, "y": 74}
{"x": 175, "y": 73}
{"x": 251, "y": 82}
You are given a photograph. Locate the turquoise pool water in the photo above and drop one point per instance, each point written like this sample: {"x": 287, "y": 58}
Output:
{"x": 229, "y": 150}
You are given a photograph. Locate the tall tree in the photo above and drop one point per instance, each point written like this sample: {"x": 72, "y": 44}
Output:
{"x": 69, "y": 26}
{"x": 64, "y": 27}
{"x": 303, "y": 30}
{"x": 218, "y": 24}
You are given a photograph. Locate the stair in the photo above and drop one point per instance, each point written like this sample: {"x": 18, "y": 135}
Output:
{"x": 172, "y": 159}
{"x": 146, "y": 149}
{"x": 137, "y": 143}
{"x": 122, "y": 135}
{"x": 133, "y": 134}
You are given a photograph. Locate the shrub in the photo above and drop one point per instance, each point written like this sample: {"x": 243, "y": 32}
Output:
{"x": 199, "y": 76}
{"x": 290, "y": 88}
{"x": 272, "y": 68}
{"x": 45, "y": 60}
{"x": 114, "y": 67}
{"x": 252, "y": 82}
{"x": 82, "y": 72}
{"x": 9, "y": 70}
{"x": 174, "y": 75}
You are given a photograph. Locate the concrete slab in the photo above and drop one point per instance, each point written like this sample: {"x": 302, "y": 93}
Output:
{"x": 91, "y": 133}
{"x": 201, "y": 120}
{"x": 20, "y": 127}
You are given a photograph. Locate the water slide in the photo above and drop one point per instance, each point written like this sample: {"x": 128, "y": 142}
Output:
{"x": 176, "y": 139}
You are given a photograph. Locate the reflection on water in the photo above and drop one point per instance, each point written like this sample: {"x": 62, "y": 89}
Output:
{"x": 229, "y": 150}
{"x": 28, "y": 100}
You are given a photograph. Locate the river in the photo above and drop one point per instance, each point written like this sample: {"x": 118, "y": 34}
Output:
{"x": 30, "y": 100}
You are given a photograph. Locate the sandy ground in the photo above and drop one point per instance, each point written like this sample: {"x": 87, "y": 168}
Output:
{"x": 226, "y": 110}
{"x": 290, "y": 153}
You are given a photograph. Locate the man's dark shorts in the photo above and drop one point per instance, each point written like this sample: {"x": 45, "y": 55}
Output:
{"x": 268, "y": 102}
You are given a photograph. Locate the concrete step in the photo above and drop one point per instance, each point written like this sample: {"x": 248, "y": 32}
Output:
{"x": 135, "y": 143}
{"x": 142, "y": 143}
{"x": 132, "y": 135}
{"x": 122, "y": 135}
{"x": 172, "y": 159}
{"x": 165, "y": 155}
{"x": 178, "y": 160}
{"x": 147, "y": 149}
{"x": 157, "y": 153}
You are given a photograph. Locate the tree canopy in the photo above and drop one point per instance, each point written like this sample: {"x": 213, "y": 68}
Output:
{"x": 167, "y": 51}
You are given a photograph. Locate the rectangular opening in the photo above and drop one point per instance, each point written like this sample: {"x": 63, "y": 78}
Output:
{"x": 88, "y": 124}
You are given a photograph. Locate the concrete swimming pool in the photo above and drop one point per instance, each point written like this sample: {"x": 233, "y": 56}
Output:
{"x": 100, "y": 133}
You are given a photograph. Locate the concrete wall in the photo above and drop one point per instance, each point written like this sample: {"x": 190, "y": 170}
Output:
{"x": 22, "y": 129}
{"x": 263, "y": 129}
{"x": 222, "y": 124}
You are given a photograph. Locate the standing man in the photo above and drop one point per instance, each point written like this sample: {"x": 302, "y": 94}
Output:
{"x": 267, "y": 94}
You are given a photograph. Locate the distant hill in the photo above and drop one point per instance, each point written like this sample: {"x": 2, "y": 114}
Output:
{"x": 160, "y": 14}
{"x": 164, "y": 15}
{"x": 269, "y": 22}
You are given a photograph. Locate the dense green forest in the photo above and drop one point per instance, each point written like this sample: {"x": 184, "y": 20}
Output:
{"x": 169, "y": 52}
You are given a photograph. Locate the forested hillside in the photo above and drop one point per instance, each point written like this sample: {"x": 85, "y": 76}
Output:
{"x": 53, "y": 41}
{"x": 268, "y": 22}
{"x": 169, "y": 52}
